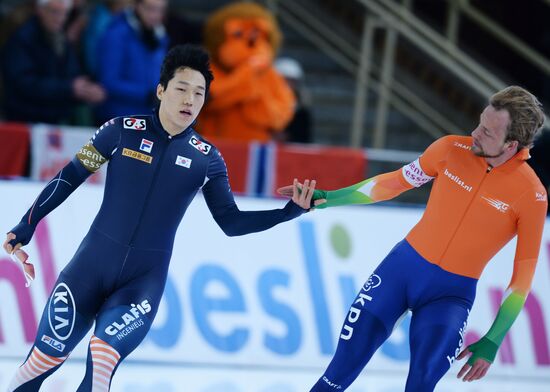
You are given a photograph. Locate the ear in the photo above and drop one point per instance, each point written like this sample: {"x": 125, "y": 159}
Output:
{"x": 160, "y": 91}
{"x": 513, "y": 145}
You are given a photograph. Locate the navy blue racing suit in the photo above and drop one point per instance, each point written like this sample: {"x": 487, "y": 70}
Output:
{"x": 118, "y": 274}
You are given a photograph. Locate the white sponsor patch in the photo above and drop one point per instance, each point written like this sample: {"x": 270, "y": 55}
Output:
{"x": 201, "y": 146}
{"x": 134, "y": 123}
{"x": 540, "y": 196}
{"x": 183, "y": 161}
{"x": 414, "y": 174}
{"x": 53, "y": 343}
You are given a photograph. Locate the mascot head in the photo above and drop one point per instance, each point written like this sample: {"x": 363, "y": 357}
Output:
{"x": 241, "y": 31}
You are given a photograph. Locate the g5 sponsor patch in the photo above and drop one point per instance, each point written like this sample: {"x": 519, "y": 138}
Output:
{"x": 62, "y": 311}
{"x": 183, "y": 161}
{"x": 137, "y": 155}
{"x": 90, "y": 158}
{"x": 134, "y": 123}
{"x": 201, "y": 146}
{"x": 53, "y": 343}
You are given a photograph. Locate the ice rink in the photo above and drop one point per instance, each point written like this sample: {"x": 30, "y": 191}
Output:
{"x": 138, "y": 376}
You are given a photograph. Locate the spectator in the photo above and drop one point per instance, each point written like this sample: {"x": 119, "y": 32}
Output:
{"x": 41, "y": 71}
{"x": 11, "y": 17}
{"x": 129, "y": 57}
{"x": 76, "y": 21}
{"x": 101, "y": 15}
{"x": 298, "y": 129}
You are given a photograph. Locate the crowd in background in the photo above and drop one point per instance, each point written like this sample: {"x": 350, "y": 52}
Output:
{"x": 62, "y": 62}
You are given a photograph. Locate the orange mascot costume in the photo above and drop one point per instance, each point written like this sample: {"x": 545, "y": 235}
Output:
{"x": 248, "y": 99}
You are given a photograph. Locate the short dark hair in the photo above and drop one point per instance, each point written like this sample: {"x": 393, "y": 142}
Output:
{"x": 186, "y": 56}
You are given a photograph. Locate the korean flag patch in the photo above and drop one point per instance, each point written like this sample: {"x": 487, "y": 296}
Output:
{"x": 183, "y": 161}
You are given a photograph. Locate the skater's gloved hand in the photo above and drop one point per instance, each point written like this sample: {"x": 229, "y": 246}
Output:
{"x": 12, "y": 245}
{"x": 19, "y": 236}
{"x": 316, "y": 197}
{"x": 483, "y": 354}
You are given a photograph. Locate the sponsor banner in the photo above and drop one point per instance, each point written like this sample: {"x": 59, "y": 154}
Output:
{"x": 275, "y": 299}
{"x": 54, "y": 146}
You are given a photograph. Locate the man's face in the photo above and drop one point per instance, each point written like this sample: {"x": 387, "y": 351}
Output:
{"x": 151, "y": 12}
{"x": 182, "y": 101}
{"x": 53, "y": 14}
{"x": 489, "y": 138}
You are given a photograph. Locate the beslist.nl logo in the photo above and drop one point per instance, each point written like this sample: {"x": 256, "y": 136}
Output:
{"x": 458, "y": 180}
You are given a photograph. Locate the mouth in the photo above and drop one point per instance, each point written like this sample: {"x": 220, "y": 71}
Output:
{"x": 186, "y": 112}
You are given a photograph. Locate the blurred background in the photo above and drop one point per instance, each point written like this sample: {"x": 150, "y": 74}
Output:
{"x": 356, "y": 88}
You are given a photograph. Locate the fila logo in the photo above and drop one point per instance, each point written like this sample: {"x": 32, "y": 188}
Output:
{"x": 146, "y": 145}
{"x": 499, "y": 205}
{"x": 540, "y": 196}
{"x": 134, "y": 123}
{"x": 201, "y": 146}
{"x": 53, "y": 343}
{"x": 183, "y": 161}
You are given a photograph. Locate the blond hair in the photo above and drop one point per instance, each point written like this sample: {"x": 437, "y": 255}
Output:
{"x": 526, "y": 115}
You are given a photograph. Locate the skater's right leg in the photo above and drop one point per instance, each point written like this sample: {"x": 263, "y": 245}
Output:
{"x": 78, "y": 294}
{"x": 67, "y": 317}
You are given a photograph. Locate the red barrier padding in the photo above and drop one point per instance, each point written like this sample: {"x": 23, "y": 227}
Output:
{"x": 332, "y": 167}
{"x": 14, "y": 149}
{"x": 236, "y": 155}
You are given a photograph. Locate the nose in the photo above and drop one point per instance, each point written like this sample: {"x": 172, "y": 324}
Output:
{"x": 188, "y": 99}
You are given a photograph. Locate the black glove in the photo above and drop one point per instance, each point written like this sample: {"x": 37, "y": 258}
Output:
{"x": 23, "y": 234}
